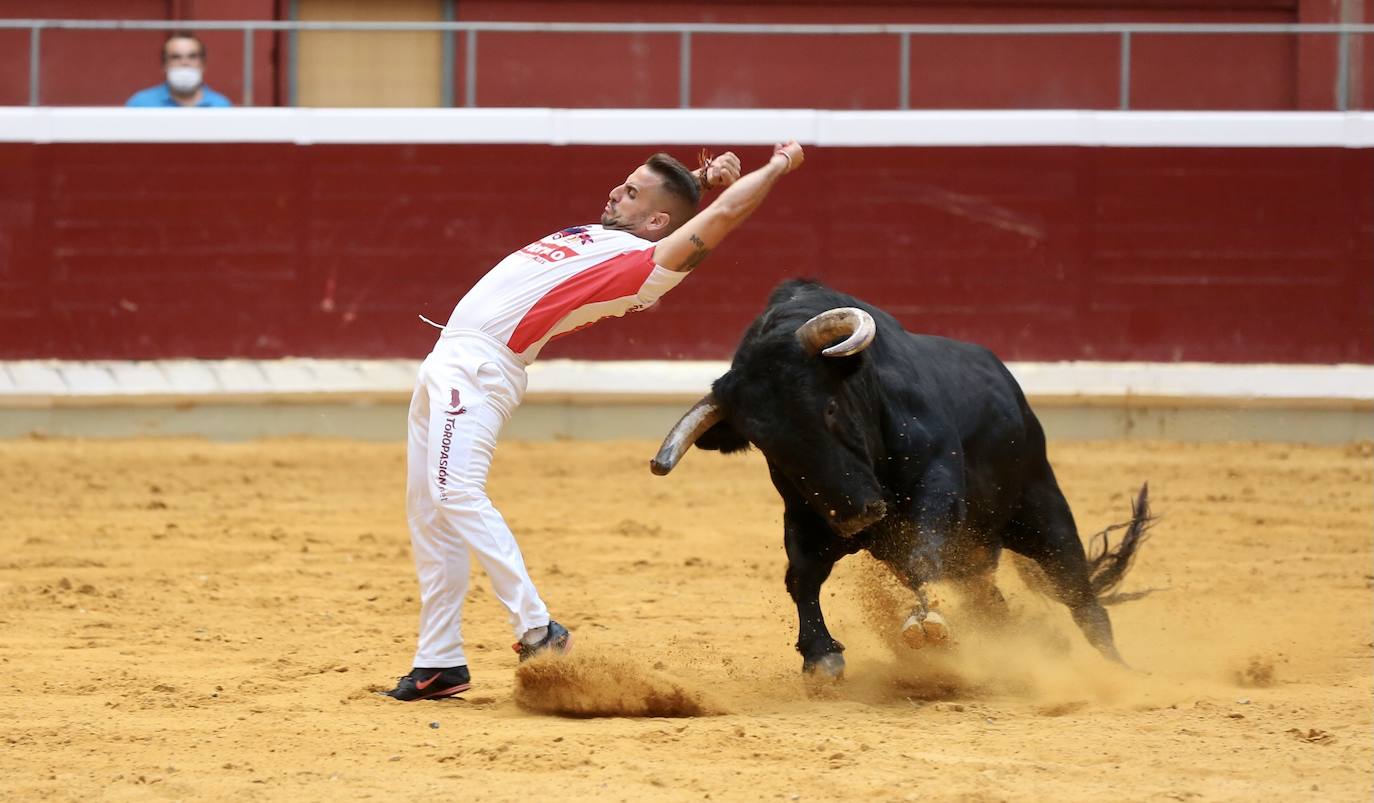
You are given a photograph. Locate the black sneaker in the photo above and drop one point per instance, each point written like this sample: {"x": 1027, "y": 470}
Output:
{"x": 558, "y": 640}
{"x": 431, "y": 684}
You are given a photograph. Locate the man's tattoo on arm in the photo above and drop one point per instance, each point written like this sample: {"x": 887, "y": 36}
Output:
{"x": 697, "y": 256}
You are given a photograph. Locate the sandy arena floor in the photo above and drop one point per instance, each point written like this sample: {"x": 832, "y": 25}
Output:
{"x": 207, "y": 621}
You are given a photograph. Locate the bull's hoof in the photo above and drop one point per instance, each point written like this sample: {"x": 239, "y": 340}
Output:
{"x": 932, "y": 630}
{"x": 828, "y": 667}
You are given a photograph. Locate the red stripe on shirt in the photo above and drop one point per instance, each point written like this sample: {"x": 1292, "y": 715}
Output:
{"x": 615, "y": 278}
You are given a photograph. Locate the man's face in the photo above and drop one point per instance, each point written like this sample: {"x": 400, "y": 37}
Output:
{"x": 182, "y": 52}
{"x": 635, "y": 206}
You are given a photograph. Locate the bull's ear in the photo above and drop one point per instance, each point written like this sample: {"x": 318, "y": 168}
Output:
{"x": 722, "y": 438}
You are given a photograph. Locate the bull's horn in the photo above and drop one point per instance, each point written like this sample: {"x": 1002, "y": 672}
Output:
{"x": 703, "y": 415}
{"x": 851, "y": 323}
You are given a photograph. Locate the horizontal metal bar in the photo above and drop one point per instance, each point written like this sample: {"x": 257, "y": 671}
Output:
{"x": 700, "y": 28}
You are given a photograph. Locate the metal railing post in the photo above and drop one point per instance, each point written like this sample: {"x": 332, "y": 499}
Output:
{"x": 446, "y": 59}
{"x": 1343, "y": 72}
{"x": 33, "y": 64}
{"x": 684, "y": 70}
{"x": 292, "y": 45}
{"x": 904, "y": 76}
{"x": 247, "y": 66}
{"x": 1124, "y": 91}
{"x": 470, "y": 69}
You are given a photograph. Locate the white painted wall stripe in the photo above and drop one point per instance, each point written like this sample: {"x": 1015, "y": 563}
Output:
{"x": 690, "y": 127}
{"x": 58, "y": 382}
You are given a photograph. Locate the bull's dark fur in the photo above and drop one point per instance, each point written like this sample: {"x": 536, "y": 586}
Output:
{"x": 920, "y": 449}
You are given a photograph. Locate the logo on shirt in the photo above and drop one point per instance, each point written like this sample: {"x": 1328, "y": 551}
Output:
{"x": 455, "y": 403}
{"x": 548, "y": 252}
{"x": 580, "y": 232}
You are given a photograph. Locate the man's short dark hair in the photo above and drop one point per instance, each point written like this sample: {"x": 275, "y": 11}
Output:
{"x": 183, "y": 35}
{"x": 680, "y": 184}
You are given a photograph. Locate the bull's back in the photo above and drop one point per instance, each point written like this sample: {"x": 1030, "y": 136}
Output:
{"x": 971, "y": 385}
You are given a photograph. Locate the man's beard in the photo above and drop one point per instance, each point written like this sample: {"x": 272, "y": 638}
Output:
{"x": 610, "y": 221}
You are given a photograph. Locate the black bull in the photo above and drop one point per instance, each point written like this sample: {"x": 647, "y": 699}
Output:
{"x": 920, "y": 449}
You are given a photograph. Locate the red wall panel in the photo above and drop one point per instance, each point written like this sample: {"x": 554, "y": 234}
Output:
{"x": 105, "y": 67}
{"x": 93, "y": 68}
{"x": 1225, "y": 71}
{"x": 1054, "y": 253}
{"x": 580, "y": 70}
{"x": 1048, "y": 72}
{"x": 14, "y": 68}
{"x": 23, "y": 277}
{"x": 794, "y": 72}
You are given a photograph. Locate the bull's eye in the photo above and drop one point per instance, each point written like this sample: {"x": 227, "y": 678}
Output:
{"x": 832, "y": 411}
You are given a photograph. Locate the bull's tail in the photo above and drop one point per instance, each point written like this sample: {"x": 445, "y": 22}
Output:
{"x": 1107, "y": 565}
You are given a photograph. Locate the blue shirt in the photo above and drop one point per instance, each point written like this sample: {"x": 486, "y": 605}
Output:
{"x": 161, "y": 95}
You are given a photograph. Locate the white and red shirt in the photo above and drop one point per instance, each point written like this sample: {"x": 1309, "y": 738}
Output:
{"x": 567, "y": 281}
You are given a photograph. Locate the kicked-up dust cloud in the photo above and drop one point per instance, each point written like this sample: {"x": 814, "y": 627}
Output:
{"x": 589, "y": 683}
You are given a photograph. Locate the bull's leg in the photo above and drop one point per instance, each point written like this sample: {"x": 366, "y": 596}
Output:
{"x": 810, "y": 558}
{"x": 916, "y": 561}
{"x": 1044, "y": 531}
{"x": 916, "y": 555}
{"x": 984, "y": 598}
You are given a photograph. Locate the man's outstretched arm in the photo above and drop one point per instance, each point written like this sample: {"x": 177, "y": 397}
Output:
{"x": 685, "y": 248}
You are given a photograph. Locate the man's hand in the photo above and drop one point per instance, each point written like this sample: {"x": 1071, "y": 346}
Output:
{"x": 722, "y": 171}
{"x": 690, "y": 243}
{"x": 717, "y": 171}
{"x": 790, "y": 151}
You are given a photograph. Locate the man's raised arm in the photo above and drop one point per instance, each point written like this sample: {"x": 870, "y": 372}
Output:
{"x": 685, "y": 248}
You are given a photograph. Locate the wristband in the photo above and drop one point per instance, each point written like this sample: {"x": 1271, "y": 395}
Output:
{"x": 784, "y": 155}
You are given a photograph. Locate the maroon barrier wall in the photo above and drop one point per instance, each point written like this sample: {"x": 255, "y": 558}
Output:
{"x": 137, "y": 251}
{"x": 745, "y": 71}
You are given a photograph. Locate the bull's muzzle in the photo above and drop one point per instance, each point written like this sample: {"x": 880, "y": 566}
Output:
{"x": 872, "y": 513}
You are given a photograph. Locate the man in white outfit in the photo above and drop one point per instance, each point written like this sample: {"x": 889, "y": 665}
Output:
{"x": 649, "y": 238}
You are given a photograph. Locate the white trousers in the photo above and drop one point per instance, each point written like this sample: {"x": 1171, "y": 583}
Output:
{"x": 467, "y": 388}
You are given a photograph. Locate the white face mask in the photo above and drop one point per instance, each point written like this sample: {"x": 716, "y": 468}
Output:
{"x": 183, "y": 79}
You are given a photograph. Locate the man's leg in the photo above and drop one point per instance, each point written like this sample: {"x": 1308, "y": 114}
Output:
{"x": 441, "y": 558}
{"x": 467, "y": 411}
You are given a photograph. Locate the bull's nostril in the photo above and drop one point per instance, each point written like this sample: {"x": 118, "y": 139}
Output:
{"x": 871, "y": 513}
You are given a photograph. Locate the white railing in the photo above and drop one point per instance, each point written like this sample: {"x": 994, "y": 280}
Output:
{"x": 1124, "y": 32}
{"x": 691, "y": 128}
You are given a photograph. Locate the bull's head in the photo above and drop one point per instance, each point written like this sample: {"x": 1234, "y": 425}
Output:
{"x": 798, "y": 400}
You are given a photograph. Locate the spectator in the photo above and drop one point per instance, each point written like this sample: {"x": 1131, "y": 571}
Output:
{"x": 183, "y": 59}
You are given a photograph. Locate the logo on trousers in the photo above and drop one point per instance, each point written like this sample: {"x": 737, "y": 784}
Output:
{"x": 456, "y": 409}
